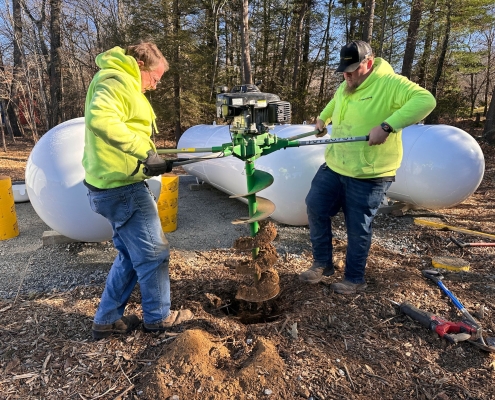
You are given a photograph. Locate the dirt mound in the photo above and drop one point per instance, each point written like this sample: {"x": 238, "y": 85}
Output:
{"x": 195, "y": 357}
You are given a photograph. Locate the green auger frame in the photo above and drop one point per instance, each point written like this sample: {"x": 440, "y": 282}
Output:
{"x": 249, "y": 147}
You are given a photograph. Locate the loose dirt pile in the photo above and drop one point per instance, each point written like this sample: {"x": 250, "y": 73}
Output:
{"x": 307, "y": 342}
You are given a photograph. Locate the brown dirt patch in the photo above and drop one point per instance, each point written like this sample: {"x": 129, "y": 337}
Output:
{"x": 13, "y": 162}
{"x": 199, "y": 354}
{"x": 306, "y": 342}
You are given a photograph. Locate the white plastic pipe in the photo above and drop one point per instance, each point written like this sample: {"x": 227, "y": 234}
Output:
{"x": 441, "y": 167}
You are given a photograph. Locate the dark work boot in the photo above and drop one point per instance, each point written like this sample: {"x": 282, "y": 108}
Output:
{"x": 119, "y": 327}
{"x": 346, "y": 287}
{"x": 316, "y": 273}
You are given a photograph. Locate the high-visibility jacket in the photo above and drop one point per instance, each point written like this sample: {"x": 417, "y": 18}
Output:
{"x": 384, "y": 96}
{"x": 119, "y": 121}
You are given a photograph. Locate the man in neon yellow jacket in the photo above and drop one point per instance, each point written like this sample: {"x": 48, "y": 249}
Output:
{"x": 119, "y": 123}
{"x": 373, "y": 101}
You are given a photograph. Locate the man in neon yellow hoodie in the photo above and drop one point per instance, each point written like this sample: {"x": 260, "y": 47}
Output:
{"x": 373, "y": 101}
{"x": 119, "y": 123}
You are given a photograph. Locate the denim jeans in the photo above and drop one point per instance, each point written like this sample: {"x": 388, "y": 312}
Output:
{"x": 359, "y": 200}
{"x": 143, "y": 253}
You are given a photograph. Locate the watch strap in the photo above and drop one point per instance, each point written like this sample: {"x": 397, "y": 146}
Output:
{"x": 386, "y": 127}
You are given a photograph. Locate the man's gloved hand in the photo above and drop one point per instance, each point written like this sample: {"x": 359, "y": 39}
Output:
{"x": 320, "y": 126}
{"x": 154, "y": 165}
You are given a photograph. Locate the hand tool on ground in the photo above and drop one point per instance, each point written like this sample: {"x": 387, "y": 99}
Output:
{"x": 462, "y": 244}
{"x": 251, "y": 114}
{"x": 441, "y": 226}
{"x": 454, "y": 332}
{"x": 489, "y": 344}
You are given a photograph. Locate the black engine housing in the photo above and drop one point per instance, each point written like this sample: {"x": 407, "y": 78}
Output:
{"x": 246, "y": 106}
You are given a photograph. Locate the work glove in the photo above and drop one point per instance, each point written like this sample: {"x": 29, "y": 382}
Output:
{"x": 321, "y": 132}
{"x": 320, "y": 127}
{"x": 154, "y": 165}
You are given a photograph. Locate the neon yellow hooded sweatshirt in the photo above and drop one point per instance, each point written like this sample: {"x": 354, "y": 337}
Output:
{"x": 383, "y": 97}
{"x": 119, "y": 122}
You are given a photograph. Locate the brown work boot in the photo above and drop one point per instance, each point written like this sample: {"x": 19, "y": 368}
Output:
{"x": 119, "y": 327}
{"x": 175, "y": 318}
{"x": 316, "y": 273}
{"x": 346, "y": 287}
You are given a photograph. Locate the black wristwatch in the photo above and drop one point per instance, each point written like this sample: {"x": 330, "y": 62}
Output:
{"x": 386, "y": 127}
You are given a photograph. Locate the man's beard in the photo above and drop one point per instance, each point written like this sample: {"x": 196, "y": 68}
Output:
{"x": 350, "y": 89}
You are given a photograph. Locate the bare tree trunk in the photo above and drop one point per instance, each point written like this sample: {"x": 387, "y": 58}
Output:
{"x": 489, "y": 130}
{"x": 177, "y": 78}
{"x": 266, "y": 36}
{"x": 3, "y": 105}
{"x": 2, "y": 108}
{"x": 368, "y": 21}
{"x": 247, "y": 77}
{"x": 474, "y": 91}
{"x": 425, "y": 58}
{"x": 217, "y": 6}
{"x": 412, "y": 37}
{"x": 29, "y": 105}
{"x": 12, "y": 105}
{"x": 383, "y": 25}
{"x": 38, "y": 22}
{"x": 490, "y": 41}
{"x": 42, "y": 60}
{"x": 326, "y": 57}
{"x": 433, "y": 117}
{"x": 229, "y": 53}
{"x": 55, "y": 64}
{"x": 298, "y": 44}
{"x": 353, "y": 21}
{"x": 4, "y": 144}
{"x": 284, "y": 31}
{"x": 300, "y": 79}
{"x": 122, "y": 20}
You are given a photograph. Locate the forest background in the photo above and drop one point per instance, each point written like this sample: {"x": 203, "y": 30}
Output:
{"x": 48, "y": 48}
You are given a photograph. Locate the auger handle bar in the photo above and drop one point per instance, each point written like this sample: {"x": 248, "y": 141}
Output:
{"x": 228, "y": 149}
{"x": 332, "y": 141}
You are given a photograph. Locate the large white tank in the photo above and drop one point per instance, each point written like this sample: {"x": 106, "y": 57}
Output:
{"x": 442, "y": 166}
{"x": 54, "y": 182}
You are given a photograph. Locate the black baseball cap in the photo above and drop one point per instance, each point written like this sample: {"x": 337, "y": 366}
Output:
{"x": 352, "y": 54}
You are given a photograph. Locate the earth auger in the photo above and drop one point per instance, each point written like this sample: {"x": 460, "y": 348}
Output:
{"x": 252, "y": 114}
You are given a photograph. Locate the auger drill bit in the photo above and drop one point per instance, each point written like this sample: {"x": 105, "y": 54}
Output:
{"x": 266, "y": 280}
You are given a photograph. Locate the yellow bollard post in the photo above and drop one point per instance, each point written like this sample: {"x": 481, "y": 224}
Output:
{"x": 8, "y": 217}
{"x": 168, "y": 202}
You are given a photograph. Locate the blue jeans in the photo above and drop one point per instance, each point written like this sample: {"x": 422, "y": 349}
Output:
{"x": 143, "y": 253}
{"x": 359, "y": 200}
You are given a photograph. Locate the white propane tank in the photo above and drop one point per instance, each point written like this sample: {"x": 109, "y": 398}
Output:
{"x": 441, "y": 167}
{"x": 54, "y": 183}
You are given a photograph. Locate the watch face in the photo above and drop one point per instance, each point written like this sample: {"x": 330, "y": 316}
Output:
{"x": 386, "y": 127}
